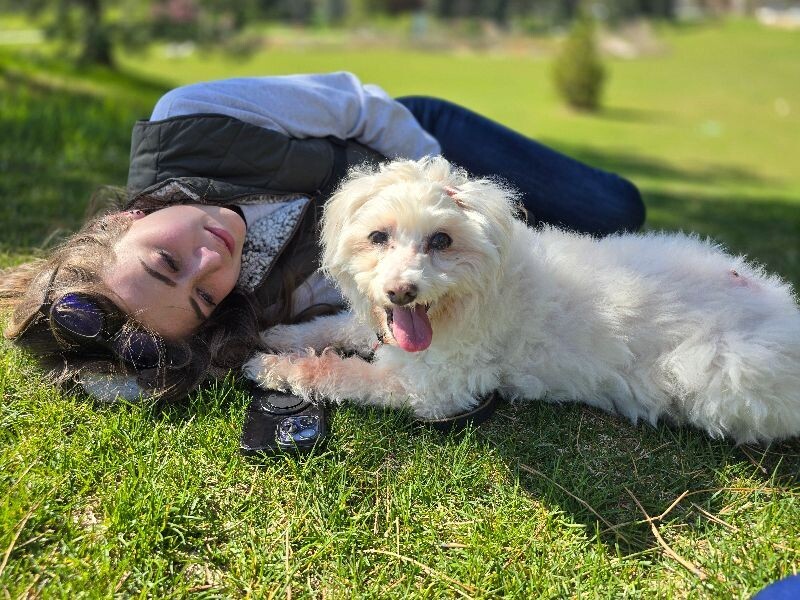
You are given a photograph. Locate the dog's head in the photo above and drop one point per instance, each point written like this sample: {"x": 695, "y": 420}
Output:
{"x": 411, "y": 243}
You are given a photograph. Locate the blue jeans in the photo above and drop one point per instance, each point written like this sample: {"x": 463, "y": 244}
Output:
{"x": 784, "y": 589}
{"x": 554, "y": 188}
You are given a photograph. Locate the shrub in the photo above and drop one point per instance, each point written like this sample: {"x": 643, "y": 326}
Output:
{"x": 578, "y": 73}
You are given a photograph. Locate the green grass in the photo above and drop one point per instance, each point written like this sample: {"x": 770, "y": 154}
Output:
{"x": 540, "y": 502}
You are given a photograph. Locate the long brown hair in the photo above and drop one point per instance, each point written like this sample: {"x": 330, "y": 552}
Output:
{"x": 223, "y": 342}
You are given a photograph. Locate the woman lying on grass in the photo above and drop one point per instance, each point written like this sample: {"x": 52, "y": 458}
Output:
{"x": 217, "y": 236}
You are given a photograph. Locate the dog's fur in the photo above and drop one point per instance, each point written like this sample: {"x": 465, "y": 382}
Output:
{"x": 650, "y": 326}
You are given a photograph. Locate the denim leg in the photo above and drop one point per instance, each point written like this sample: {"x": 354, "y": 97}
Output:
{"x": 784, "y": 589}
{"x": 554, "y": 188}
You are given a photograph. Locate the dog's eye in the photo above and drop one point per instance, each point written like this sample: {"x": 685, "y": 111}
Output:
{"x": 439, "y": 241}
{"x": 379, "y": 238}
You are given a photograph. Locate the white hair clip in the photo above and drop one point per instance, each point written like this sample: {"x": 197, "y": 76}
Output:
{"x": 111, "y": 388}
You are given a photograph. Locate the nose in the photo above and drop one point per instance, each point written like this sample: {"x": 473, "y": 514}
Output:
{"x": 208, "y": 261}
{"x": 402, "y": 293}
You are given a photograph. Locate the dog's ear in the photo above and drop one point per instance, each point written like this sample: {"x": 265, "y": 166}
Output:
{"x": 351, "y": 194}
{"x": 490, "y": 204}
{"x": 497, "y": 198}
{"x": 453, "y": 193}
{"x": 361, "y": 184}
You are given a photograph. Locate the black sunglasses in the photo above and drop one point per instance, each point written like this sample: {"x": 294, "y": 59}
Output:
{"x": 79, "y": 318}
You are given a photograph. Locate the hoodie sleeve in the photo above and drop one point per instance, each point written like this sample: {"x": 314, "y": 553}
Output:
{"x": 304, "y": 106}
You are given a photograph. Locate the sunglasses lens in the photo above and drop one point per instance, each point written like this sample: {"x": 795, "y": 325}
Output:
{"x": 138, "y": 348}
{"x": 78, "y": 315}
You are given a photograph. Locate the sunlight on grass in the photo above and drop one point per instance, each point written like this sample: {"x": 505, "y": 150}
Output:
{"x": 542, "y": 501}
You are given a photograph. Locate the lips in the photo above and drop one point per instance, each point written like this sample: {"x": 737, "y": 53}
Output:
{"x": 225, "y": 237}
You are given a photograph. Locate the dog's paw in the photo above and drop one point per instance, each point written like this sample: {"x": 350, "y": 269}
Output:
{"x": 280, "y": 338}
{"x": 269, "y": 371}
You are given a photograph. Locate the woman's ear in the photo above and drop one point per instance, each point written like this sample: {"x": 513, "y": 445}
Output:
{"x": 123, "y": 215}
{"x": 131, "y": 215}
{"x": 121, "y": 218}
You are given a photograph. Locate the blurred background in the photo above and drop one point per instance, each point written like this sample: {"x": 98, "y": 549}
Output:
{"x": 696, "y": 101}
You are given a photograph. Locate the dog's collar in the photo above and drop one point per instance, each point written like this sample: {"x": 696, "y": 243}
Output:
{"x": 485, "y": 409}
{"x": 476, "y": 416}
{"x": 379, "y": 342}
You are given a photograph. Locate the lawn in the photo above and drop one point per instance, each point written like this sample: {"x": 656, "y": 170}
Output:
{"x": 542, "y": 501}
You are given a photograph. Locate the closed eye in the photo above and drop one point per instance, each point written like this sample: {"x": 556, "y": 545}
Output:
{"x": 206, "y": 297}
{"x": 168, "y": 260}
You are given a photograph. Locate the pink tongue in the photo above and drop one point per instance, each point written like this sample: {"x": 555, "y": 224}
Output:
{"x": 411, "y": 328}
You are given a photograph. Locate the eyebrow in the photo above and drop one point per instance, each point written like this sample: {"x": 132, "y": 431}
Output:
{"x": 166, "y": 280}
{"x": 197, "y": 310}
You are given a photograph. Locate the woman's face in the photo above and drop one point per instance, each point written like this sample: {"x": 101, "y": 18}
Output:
{"x": 174, "y": 265}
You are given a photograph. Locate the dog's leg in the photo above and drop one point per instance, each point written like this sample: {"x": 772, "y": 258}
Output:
{"x": 341, "y": 331}
{"x": 327, "y": 376}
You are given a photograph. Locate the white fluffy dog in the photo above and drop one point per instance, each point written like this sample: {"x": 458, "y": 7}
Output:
{"x": 465, "y": 299}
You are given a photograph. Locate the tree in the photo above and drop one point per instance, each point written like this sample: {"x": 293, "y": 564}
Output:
{"x": 79, "y": 22}
{"x": 626, "y": 9}
{"x": 95, "y": 27}
{"x": 84, "y": 25}
{"x": 96, "y": 35}
{"x": 578, "y": 73}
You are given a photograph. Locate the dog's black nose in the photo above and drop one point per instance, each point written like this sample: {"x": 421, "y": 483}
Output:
{"x": 402, "y": 294}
